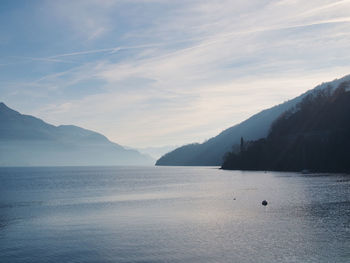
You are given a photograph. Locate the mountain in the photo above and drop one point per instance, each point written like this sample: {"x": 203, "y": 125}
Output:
{"x": 314, "y": 136}
{"x": 156, "y": 152}
{"x": 26, "y": 140}
{"x": 211, "y": 152}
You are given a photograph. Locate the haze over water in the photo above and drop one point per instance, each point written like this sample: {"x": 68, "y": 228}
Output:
{"x": 172, "y": 214}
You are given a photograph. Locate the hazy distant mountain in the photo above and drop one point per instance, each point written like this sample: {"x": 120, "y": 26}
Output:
{"x": 156, "y": 152}
{"x": 212, "y": 151}
{"x": 315, "y": 135}
{"x": 26, "y": 140}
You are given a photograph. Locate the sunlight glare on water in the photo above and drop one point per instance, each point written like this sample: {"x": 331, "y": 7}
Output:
{"x": 171, "y": 214}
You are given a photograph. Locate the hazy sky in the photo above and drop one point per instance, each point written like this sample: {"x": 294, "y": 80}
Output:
{"x": 166, "y": 72}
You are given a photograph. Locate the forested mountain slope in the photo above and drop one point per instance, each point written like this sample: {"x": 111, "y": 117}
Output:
{"x": 212, "y": 151}
{"x": 315, "y": 136}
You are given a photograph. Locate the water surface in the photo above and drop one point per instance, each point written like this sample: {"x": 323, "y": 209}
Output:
{"x": 172, "y": 214}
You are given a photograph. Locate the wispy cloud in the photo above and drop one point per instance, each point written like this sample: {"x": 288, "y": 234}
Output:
{"x": 156, "y": 73}
{"x": 51, "y": 59}
{"x": 103, "y": 50}
{"x": 78, "y": 53}
{"x": 326, "y": 7}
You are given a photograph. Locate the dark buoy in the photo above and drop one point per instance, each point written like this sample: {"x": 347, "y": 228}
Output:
{"x": 264, "y": 203}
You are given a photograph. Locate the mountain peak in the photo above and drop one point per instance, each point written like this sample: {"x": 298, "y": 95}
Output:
{"x": 27, "y": 140}
{"x": 3, "y": 105}
{"x": 5, "y": 109}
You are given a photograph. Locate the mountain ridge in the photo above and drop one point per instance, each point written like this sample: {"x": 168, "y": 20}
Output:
{"x": 312, "y": 136}
{"x": 27, "y": 140}
{"x": 211, "y": 152}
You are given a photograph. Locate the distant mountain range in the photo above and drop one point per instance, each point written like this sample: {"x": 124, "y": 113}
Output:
{"x": 29, "y": 141}
{"x": 313, "y": 136}
{"x": 156, "y": 152}
{"x": 211, "y": 152}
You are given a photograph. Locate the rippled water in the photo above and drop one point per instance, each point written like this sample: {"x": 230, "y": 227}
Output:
{"x": 172, "y": 214}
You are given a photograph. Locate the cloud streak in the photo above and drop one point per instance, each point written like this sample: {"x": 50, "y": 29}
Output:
{"x": 172, "y": 73}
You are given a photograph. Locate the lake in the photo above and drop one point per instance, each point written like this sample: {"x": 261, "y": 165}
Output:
{"x": 172, "y": 214}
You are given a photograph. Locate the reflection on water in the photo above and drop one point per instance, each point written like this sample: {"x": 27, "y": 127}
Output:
{"x": 172, "y": 214}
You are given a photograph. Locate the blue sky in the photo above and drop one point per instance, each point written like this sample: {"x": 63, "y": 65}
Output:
{"x": 153, "y": 73}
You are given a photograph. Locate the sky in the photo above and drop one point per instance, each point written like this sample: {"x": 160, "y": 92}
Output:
{"x": 164, "y": 72}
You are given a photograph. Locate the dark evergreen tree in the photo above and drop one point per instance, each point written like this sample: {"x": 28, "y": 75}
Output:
{"x": 242, "y": 145}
